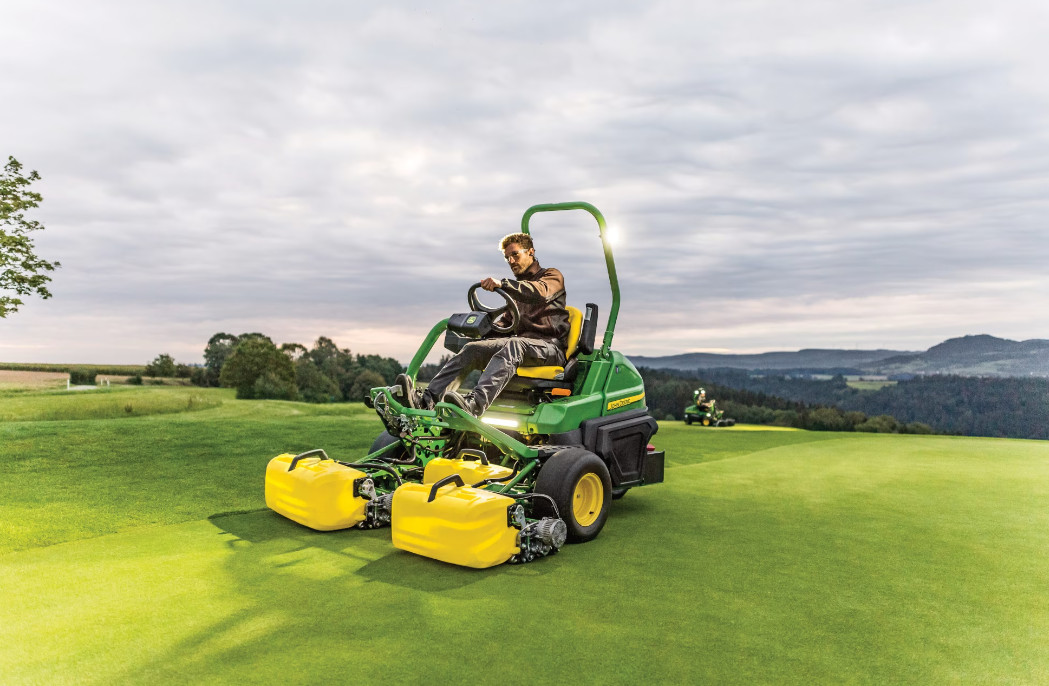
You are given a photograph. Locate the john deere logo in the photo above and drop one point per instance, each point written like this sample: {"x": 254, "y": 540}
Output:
{"x": 616, "y": 404}
{"x": 471, "y": 319}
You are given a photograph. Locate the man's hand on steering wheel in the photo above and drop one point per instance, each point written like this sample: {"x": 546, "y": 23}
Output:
{"x": 509, "y": 309}
{"x": 490, "y": 284}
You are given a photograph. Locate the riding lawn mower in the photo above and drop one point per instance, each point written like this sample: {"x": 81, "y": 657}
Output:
{"x": 706, "y": 412}
{"x": 539, "y": 468}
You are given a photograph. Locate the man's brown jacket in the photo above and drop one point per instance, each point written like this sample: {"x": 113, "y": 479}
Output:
{"x": 540, "y": 295}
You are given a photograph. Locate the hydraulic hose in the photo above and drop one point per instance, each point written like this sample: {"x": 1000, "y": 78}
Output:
{"x": 529, "y": 496}
{"x": 501, "y": 479}
{"x": 392, "y": 460}
{"x": 375, "y": 465}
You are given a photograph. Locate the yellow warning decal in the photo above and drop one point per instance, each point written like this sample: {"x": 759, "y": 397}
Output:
{"x": 616, "y": 404}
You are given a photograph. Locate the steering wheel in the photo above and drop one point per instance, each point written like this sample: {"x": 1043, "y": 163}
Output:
{"x": 495, "y": 312}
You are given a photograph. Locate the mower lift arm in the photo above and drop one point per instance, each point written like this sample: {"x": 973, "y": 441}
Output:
{"x": 426, "y": 347}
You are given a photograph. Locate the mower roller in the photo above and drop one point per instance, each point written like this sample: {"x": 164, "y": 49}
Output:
{"x": 540, "y": 467}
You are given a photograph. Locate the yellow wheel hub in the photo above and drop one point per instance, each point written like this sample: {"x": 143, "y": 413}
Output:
{"x": 588, "y": 499}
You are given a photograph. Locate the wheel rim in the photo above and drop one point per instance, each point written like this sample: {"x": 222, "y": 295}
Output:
{"x": 587, "y": 499}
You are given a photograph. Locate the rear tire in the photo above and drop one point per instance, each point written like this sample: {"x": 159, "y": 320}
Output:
{"x": 578, "y": 481}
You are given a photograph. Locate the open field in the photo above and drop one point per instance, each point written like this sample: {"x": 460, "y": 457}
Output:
{"x": 114, "y": 369}
{"x": 10, "y": 379}
{"x": 103, "y": 403}
{"x": 138, "y": 548}
{"x": 869, "y": 385}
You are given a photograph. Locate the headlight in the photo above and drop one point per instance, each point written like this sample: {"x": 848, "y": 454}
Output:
{"x": 498, "y": 421}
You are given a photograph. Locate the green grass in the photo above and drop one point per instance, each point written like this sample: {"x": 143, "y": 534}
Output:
{"x": 64, "y": 480}
{"x": 138, "y": 550}
{"x": 104, "y": 403}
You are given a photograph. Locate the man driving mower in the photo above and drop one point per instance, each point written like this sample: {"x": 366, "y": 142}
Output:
{"x": 541, "y": 339}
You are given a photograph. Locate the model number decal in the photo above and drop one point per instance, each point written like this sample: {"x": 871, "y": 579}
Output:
{"x": 616, "y": 404}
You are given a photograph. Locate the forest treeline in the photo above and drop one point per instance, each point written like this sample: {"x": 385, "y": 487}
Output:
{"x": 964, "y": 406}
{"x": 669, "y": 391}
{"x": 258, "y": 368}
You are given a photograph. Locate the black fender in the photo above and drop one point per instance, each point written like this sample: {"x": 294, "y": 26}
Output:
{"x": 621, "y": 440}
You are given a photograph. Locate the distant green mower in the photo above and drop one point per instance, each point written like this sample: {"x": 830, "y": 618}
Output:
{"x": 705, "y": 412}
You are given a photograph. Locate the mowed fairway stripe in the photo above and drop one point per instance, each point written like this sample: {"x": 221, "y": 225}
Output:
{"x": 861, "y": 559}
{"x": 917, "y": 558}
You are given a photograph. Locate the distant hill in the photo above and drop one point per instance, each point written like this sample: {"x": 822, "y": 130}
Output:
{"x": 810, "y": 358}
{"x": 980, "y": 355}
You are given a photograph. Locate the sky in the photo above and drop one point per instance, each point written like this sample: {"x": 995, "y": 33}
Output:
{"x": 778, "y": 176}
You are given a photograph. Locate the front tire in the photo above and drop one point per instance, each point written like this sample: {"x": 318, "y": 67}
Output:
{"x": 578, "y": 481}
{"x": 384, "y": 439}
{"x": 688, "y": 419}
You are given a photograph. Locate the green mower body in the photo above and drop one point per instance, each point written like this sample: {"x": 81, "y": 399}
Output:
{"x": 554, "y": 449}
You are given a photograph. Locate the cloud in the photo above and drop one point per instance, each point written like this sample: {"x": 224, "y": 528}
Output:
{"x": 854, "y": 174}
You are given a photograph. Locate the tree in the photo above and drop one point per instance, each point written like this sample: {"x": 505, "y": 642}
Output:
{"x": 274, "y": 386}
{"x": 21, "y": 271}
{"x": 335, "y": 363}
{"x": 917, "y": 428}
{"x": 215, "y": 353}
{"x": 364, "y": 382}
{"x": 314, "y": 386}
{"x": 386, "y": 367}
{"x": 163, "y": 365}
{"x": 826, "y": 419}
{"x": 255, "y": 357}
{"x": 430, "y": 369}
{"x": 881, "y": 424}
{"x": 329, "y": 358}
{"x": 293, "y": 350}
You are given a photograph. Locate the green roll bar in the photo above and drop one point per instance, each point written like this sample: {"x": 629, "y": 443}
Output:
{"x": 610, "y": 262}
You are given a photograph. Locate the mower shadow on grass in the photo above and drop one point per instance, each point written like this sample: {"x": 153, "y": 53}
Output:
{"x": 264, "y": 533}
{"x": 264, "y": 529}
{"x": 256, "y": 526}
{"x": 628, "y": 506}
{"x": 404, "y": 569}
{"x": 279, "y": 582}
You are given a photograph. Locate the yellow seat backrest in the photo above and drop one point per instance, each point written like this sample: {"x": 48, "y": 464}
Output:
{"x": 575, "y": 324}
